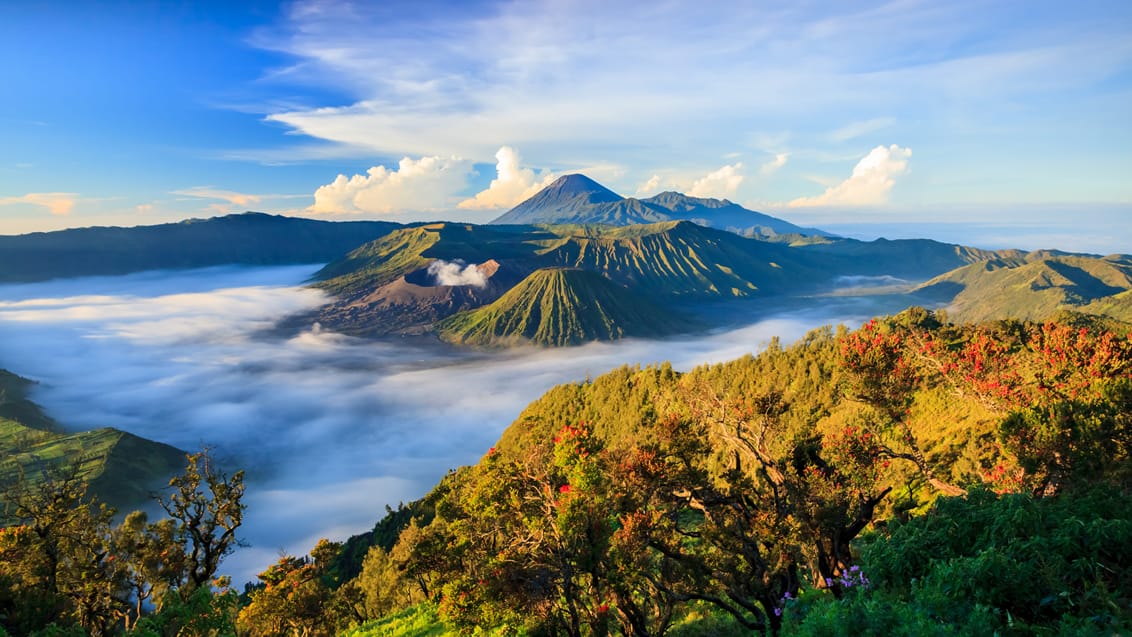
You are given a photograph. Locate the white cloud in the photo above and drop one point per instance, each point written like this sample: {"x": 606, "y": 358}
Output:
{"x": 512, "y": 184}
{"x": 773, "y": 165}
{"x": 649, "y": 186}
{"x": 720, "y": 183}
{"x": 57, "y": 203}
{"x": 456, "y": 273}
{"x": 209, "y": 192}
{"x": 426, "y": 184}
{"x": 872, "y": 179}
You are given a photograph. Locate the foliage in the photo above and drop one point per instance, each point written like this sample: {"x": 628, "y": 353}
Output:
{"x": 634, "y": 501}
{"x": 297, "y": 597}
{"x": 207, "y": 507}
{"x": 66, "y": 568}
{"x": 986, "y": 564}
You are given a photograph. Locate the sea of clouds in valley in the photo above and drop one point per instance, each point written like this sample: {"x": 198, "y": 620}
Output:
{"x": 330, "y": 428}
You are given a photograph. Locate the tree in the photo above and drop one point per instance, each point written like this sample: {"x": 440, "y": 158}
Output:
{"x": 60, "y": 559}
{"x": 207, "y": 507}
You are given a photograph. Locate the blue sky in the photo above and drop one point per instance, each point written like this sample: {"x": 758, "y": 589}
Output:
{"x": 829, "y": 113}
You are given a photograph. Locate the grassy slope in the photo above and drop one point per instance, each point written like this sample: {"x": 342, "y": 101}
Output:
{"x": 1036, "y": 287}
{"x": 121, "y": 468}
{"x": 403, "y": 251}
{"x": 681, "y": 259}
{"x": 557, "y": 306}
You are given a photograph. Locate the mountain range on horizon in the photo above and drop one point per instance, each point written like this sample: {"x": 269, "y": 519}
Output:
{"x": 670, "y": 251}
{"x": 577, "y": 199}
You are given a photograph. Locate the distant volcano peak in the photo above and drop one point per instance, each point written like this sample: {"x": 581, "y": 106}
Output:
{"x": 577, "y": 184}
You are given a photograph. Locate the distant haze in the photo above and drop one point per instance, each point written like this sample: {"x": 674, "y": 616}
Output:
{"x": 330, "y": 428}
{"x": 1097, "y": 231}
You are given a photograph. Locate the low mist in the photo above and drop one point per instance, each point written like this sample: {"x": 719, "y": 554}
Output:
{"x": 330, "y": 428}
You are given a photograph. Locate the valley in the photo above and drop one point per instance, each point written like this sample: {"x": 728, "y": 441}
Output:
{"x": 346, "y": 387}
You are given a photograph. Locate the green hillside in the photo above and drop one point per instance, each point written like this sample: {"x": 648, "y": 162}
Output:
{"x": 679, "y": 259}
{"x": 1036, "y": 286}
{"x": 406, "y": 250}
{"x": 120, "y": 468}
{"x": 914, "y": 476}
{"x": 557, "y": 307}
{"x": 650, "y": 266}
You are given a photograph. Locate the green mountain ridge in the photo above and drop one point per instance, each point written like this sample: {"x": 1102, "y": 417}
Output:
{"x": 683, "y": 259}
{"x": 677, "y": 264}
{"x": 659, "y": 266}
{"x": 1036, "y": 286}
{"x": 559, "y": 307}
{"x": 250, "y": 238}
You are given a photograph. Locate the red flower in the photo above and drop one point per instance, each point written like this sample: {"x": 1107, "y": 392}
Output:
{"x": 565, "y": 488}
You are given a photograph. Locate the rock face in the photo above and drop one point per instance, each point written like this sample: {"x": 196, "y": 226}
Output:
{"x": 412, "y": 303}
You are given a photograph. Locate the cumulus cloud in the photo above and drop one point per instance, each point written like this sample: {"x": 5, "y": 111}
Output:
{"x": 512, "y": 184}
{"x": 426, "y": 185}
{"x": 456, "y": 273}
{"x": 720, "y": 183}
{"x": 773, "y": 165}
{"x": 57, "y": 203}
{"x": 872, "y": 179}
{"x": 649, "y": 186}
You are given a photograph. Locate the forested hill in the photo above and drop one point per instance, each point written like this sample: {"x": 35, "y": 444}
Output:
{"x": 928, "y": 478}
{"x": 247, "y": 239}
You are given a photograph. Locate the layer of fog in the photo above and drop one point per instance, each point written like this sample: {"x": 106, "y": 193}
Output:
{"x": 330, "y": 428}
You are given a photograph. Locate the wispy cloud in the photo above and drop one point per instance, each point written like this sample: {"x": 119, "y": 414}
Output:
{"x": 858, "y": 129}
{"x": 231, "y": 196}
{"x": 773, "y": 165}
{"x": 57, "y": 203}
{"x": 229, "y": 201}
{"x": 871, "y": 182}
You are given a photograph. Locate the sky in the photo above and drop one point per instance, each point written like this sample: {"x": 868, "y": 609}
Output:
{"x": 885, "y": 115}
